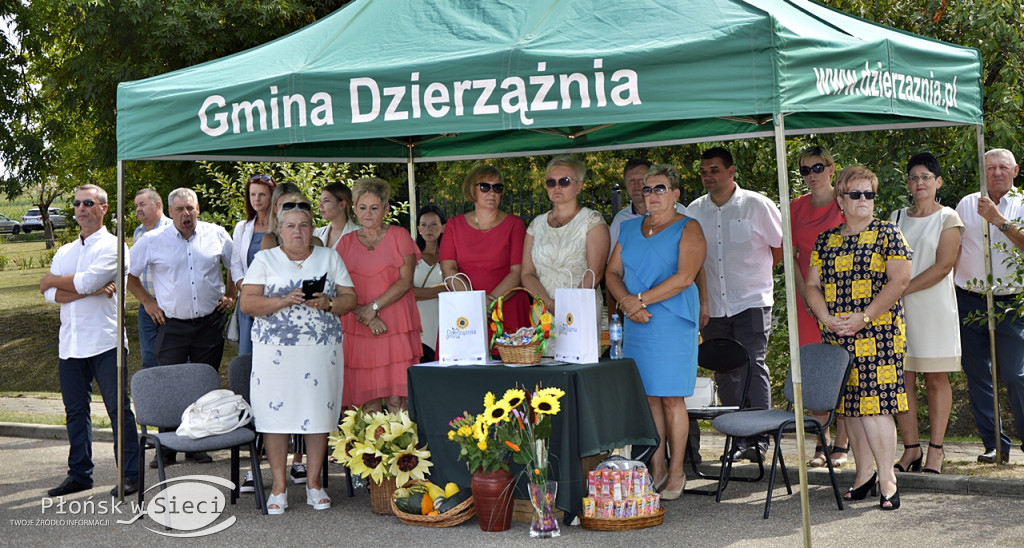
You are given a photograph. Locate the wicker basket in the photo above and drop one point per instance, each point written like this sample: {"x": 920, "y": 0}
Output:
{"x": 623, "y": 524}
{"x": 461, "y": 513}
{"x": 381, "y": 495}
{"x": 519, "y": 353}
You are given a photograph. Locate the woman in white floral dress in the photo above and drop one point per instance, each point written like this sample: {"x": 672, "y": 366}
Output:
{"x": 297, "y": 359}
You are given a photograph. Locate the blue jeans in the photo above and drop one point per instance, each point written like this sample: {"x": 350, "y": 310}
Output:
{"x": 977, "y": 364}
{"x": 244, "y": 332}
{"x": 76, "y": 376}
{"x": 147, "y": 338}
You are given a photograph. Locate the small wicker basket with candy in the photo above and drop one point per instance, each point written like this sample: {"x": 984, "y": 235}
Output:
{"x": 528, "y": 344}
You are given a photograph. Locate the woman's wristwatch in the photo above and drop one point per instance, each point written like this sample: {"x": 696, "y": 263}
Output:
{"x": 867, "y": 319}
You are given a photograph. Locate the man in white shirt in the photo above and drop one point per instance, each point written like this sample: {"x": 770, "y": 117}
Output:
{"x": 82, "y": 280}
{"x": 1003, "y": 209}
{"x": 149, "y": 208}
{"x": 189, "y": 301}
{"x": 743, "y": 230}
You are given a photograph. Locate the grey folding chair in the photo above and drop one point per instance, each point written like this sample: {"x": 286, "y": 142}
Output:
{"x": 161, "y": 395}
{"x": 239, "y": 376}
{"x": 825, "y": 369}
{"x": 721, "y": 355}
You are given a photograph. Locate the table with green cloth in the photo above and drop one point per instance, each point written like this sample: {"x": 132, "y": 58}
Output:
{"x": 604, "y": 407}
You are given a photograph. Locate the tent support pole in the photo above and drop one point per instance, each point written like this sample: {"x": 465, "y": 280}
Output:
{"x": 979, "y": 132}
{"x": 413, "y": 206}
{"x": 122, "y": 367}
{"x": 791, "y": 313}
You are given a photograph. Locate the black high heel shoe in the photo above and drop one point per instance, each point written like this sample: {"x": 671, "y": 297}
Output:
{"x": 894, "y": 501}
{"x": 933, "y": 470}
{"x": 858, "y": 493}
{"x": 915, "y": 465}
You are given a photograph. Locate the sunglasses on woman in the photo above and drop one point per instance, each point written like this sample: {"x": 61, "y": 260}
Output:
{"x": 816, "y": 168}
{"x": 498, "y": 188}
{"x": 856, "y": 194}
{"x": 563, "y": 182}
{"x": 288, "y": 206}
{"x": 656, "y": 189}
{"x": 264, "y": 178}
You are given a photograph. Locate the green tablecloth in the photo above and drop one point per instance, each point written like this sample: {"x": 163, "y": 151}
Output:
{"x": 604, "y": 407}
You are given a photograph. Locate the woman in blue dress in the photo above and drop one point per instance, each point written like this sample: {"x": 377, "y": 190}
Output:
{"x": 652, "y": 274}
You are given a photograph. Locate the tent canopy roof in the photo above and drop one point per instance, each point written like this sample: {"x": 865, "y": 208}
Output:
{"x": 386, "y": 80}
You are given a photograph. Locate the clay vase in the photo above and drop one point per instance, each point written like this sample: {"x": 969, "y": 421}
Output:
{"x": 492, "y": 496}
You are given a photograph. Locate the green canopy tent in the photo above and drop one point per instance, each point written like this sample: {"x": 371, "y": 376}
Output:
{"x": 410, "y": 81}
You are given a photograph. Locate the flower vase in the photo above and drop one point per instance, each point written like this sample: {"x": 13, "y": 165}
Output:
{"x": 542, "y": 496}
{"x": 492, "y": 495}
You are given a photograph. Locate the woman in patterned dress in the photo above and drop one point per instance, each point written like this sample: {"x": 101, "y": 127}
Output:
{"x": 562, "y": 244}
{"x": 297, "y": 355}
{"x": 858, "y": 273}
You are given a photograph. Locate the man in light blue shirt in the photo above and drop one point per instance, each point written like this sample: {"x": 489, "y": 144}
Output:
{"x": 149, "y": 209}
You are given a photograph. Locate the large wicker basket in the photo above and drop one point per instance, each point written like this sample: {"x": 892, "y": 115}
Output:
{"x": 623, "y": 524}
{"x": 461, "y": 513}
{"x": 381, "y": 495}
{"x": 528, "y": 353}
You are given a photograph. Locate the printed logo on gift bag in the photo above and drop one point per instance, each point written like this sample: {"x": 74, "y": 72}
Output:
{"x": 568, "y": 319}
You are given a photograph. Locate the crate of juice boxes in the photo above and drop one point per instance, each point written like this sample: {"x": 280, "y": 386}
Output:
{"x": 620, "y": 496}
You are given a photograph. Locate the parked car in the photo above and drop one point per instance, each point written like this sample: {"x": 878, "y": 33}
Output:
{"x": 33, "y": 220}
{"x": 9, "y": 225}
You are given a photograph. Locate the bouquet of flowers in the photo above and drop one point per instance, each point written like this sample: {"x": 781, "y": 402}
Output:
{"x": 519, "y": 424}
{"x": 381, "y": 445}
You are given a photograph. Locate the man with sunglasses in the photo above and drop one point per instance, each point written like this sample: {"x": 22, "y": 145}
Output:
{"x": 1003, "y": 210}
{"x": 190, "y": 297}
{"x": 743, "y": 230}
{"x": 82, "y": 280}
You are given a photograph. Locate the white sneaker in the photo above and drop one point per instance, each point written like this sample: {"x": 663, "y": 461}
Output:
{"x": 249, "y": 485}
{"x": 298, "y": 473}
{"x": 318, "y": 499}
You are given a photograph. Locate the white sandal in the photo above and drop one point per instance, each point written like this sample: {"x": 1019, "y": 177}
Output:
{"x": 314, "y": 496}
{"x": 280, "y": 500}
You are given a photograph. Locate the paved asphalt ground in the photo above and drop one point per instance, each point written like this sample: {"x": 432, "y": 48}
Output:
{"x": 937, "y": 510}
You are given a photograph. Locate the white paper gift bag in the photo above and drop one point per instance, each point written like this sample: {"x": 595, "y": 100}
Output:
{"x": 576, "y": 338}
{"x": 462, "y": 324}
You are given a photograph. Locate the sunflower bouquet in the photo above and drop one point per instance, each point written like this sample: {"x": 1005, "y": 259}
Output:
{"x": 519, "y": 424}
{"x": 381, "y": 445}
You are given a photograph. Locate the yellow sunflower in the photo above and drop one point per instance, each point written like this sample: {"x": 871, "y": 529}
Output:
{"x": 545, "y": 404}
{"x": 488, "y": 399}
{"x": 348, "y": 424}
{"x": 498, "y": 412}
{"x": 367, "y": 461}
{"x": 409, "y": 463}
{"x": 480, "y": 428}
{"x": 513, "y": 397}
{"x": 555, "y": 392}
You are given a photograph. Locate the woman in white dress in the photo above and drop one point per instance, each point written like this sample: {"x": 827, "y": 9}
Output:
{"x": 336, "y": 209}
{"x": 562, "y": 244}
{"x": 933, "y": 337}
{"x": 297, "y": 360}
{"x": 427, "y": 279}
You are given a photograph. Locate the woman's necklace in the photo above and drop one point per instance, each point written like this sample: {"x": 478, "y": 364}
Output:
{"x": 298, "y": 264}
{"x": 480, "y": 225}
{"x": 651, "y": 226}
{"x": 555, "y": 222}
{"x": 370, "y": 243}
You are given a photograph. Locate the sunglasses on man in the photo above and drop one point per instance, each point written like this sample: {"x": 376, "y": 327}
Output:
{"x": 816, "y": 168}
{"x": 86, "y": 203}
{"x": 498, "y": 188}
{"x": 288, "y": 206}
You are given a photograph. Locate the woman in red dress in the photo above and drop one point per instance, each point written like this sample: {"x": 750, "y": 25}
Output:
{"x": 382, "y": 334}
{"x": 486, "y": 244}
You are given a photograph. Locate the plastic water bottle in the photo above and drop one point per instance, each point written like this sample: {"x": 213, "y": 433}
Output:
{"x": 615, "y": 337}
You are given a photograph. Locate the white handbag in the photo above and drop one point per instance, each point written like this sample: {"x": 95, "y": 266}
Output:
{"x": 216, "y": 412}
{"x": 704, "y": 394}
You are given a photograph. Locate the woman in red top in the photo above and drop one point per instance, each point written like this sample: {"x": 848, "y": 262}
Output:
{"x": 487, "y": 245}
{"x": 812, "y": 214}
